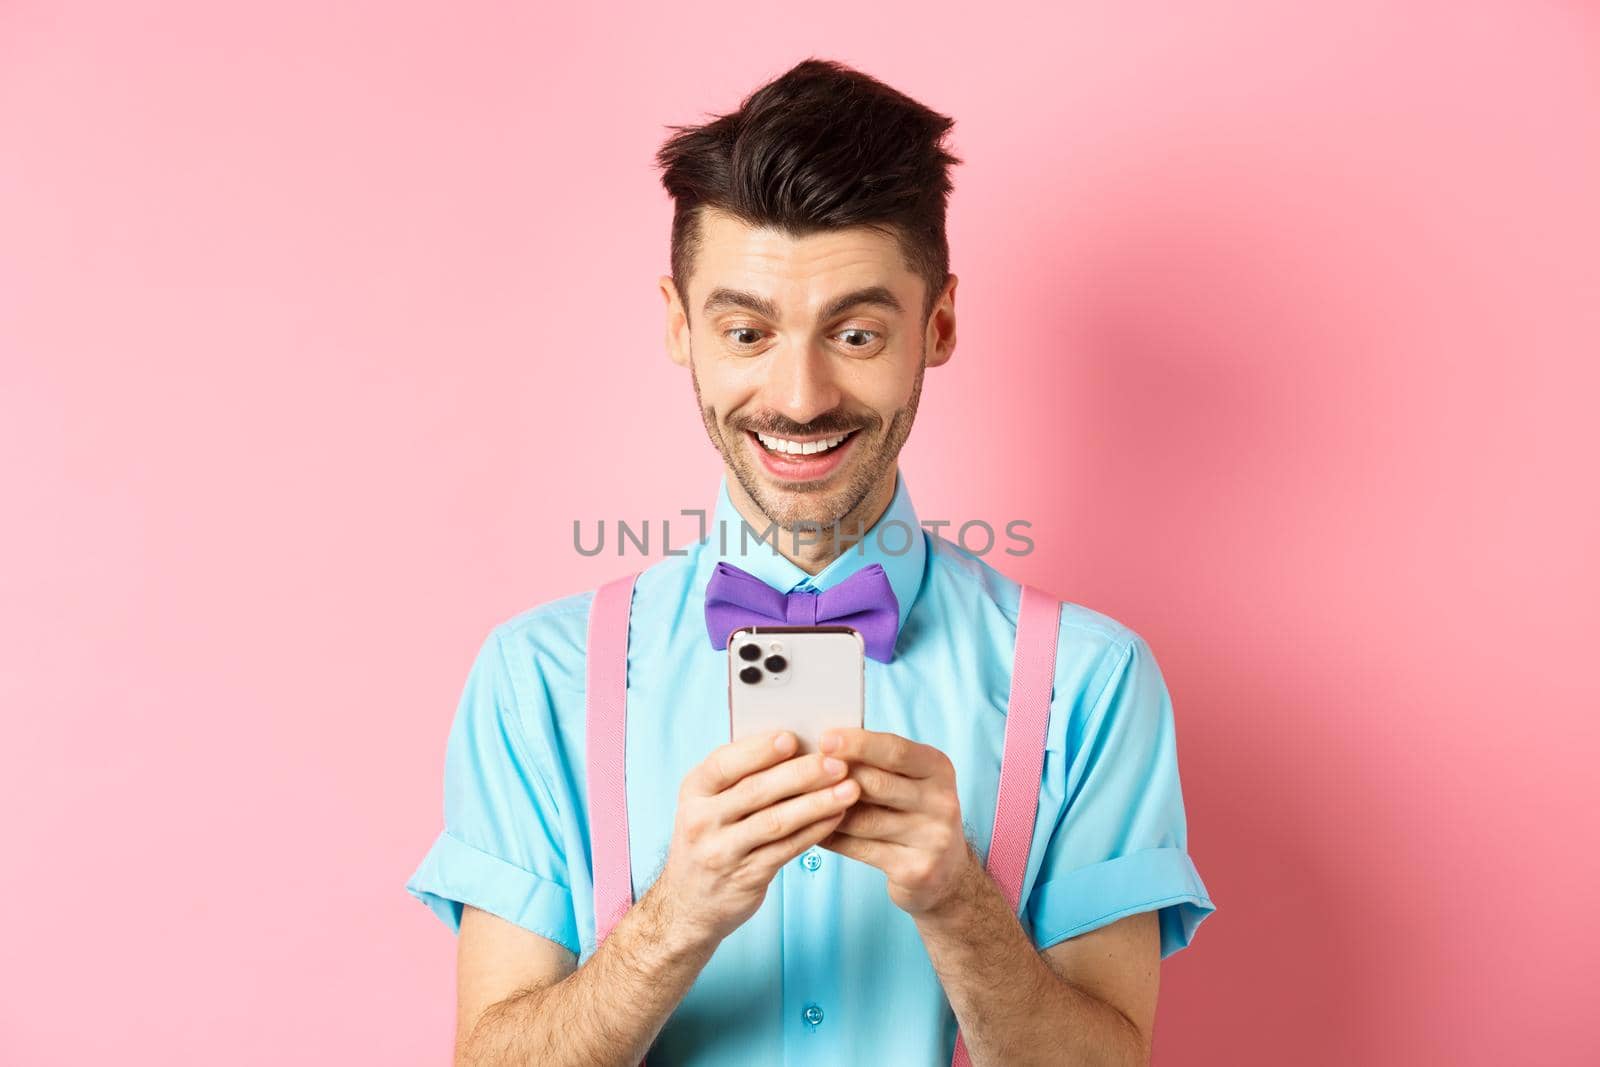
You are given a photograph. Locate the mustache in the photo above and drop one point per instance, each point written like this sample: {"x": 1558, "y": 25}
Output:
{"x": 782, "y": 427}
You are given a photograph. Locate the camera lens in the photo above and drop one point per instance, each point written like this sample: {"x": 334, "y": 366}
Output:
{"x": 750, "y": 652}
{"x": 750, "y": 675}
{"x": 776, "y": 663}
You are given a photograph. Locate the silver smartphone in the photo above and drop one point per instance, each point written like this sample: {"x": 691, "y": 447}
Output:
{"x": 801, "y": 678}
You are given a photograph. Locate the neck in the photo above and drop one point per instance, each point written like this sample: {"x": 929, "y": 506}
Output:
{"x": 812, "y": 550}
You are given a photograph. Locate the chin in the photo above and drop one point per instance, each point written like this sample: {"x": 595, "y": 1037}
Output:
{"x": 819, "y": 506}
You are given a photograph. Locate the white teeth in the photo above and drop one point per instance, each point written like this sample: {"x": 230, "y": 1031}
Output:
{"x": 799, "y": 448}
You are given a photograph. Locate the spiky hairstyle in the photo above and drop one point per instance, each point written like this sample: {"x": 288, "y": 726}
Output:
{"x": 820, "y": 147}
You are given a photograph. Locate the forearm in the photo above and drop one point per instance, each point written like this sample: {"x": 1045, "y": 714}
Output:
{"x": 607, "y": 1012}
{"x": 1012, "y": 1008}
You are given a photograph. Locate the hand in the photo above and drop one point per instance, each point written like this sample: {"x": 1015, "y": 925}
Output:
{"x": 743, "y": 813}
{"x": 908, "y": 822}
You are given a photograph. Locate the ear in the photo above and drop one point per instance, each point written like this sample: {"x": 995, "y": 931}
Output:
{"x": 940, "y": 341}
{"x": 677, "y": 322}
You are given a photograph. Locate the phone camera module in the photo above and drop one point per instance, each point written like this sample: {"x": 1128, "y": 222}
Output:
{"x": 775, "y": 664}
{"x": 750, "y": 653}
{"x": 750, "y": 675}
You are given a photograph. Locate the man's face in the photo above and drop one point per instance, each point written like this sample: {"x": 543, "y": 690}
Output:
{"x": 807, "y": 357}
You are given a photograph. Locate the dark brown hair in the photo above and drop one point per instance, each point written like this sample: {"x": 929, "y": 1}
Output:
{"x": 820, "y": 147}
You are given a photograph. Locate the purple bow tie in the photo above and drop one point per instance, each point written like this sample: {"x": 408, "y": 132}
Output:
{"x": 864, "y": 601}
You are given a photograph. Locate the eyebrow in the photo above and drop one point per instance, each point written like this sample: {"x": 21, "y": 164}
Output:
{"x": 726, "y": 298}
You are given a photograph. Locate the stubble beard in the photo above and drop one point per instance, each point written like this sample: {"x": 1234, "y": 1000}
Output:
{"x": 876, "y": 454}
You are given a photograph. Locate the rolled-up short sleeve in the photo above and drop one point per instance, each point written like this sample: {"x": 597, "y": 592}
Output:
{"x": 500, "y": 849}
{"x": 1119, "y": 845}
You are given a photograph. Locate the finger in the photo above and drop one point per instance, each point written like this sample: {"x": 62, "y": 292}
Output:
{"x": 889, "y": 751}
{"x": 771, "y": 857}
{"x": 873, "y": 821}
{"x": 765, "y": 788}
{"x": 884, "y": 855}
{"x": 731, "y": 762}
{"x": 784, "y": 818}
{"x": 887, "y": 788}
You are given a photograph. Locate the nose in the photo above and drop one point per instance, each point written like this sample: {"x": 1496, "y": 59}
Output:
{"x": 800, "y": 382}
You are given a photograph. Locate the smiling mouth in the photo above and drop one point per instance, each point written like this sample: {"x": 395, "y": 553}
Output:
{"x": 785, "y": 446}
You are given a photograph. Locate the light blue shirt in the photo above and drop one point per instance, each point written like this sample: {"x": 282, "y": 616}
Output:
{"x": 812, "y": 976}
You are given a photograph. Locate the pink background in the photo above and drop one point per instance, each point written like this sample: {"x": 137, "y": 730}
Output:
{"x": 321, "y": 324}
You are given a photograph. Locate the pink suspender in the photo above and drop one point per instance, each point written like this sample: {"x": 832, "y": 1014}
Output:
{"x": 607, "y": 720}
{"x": 1033, "y": 675}
{"x": 606, "y": 723}
{"x": 1021, "y": 763}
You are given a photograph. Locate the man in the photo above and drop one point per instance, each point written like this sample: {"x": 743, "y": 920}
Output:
{"x": 826, "y": 908}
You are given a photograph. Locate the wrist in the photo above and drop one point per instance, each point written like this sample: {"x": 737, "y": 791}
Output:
{"x": 673, "y": 929}
{"x": 954, "y": 908}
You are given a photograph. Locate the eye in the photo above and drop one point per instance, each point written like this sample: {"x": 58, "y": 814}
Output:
{"x": 743, "y": 336}
{"x": 872, "y": 334}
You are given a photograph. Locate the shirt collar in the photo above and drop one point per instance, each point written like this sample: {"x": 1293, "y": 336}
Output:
{"x": 896, "y": 542}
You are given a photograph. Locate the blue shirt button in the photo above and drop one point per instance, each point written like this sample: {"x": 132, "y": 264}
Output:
{"x": 813, "y": 1014}
{"x": 812, "y": 861}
